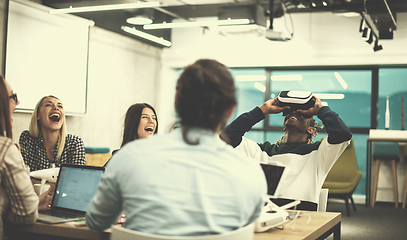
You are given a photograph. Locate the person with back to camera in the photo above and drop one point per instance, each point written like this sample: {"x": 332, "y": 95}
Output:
{"x": 18, "y": 201}
{"x": 187, "y": 182}
{"x": 140, "y": 122}
{"x": 309, "y": 162}
{"x": 46, "y": 143}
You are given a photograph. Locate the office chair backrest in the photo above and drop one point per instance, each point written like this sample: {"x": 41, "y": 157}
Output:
{"x": 346, "y": 167}
{"x": 323, "y": 200}
{"x": 121, "y": 233}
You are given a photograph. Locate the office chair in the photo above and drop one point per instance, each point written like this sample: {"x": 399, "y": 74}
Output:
{"x": 97, "y": 156}
{"x": 121, "y": 233}
{"x": 385, "y": 152}
{"x": 323, "y": 200}
{"x": 405, "y": 181}
{"x": 344, "y": 177}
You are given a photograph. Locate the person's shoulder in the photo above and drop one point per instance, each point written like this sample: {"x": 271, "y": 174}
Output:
{"x": 73, "y": 138}
{"x": 147, "y": 146}
{"x": 10, "y": 147}
{"x": 238, "y": 156}
{"x": 162, "y": 138}
{"x": 5, "y": 140}
{"x": 25, "y": 134}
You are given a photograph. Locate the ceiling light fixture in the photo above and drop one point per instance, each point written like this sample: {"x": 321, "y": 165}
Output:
{"x": 197, "y": 24}
{"x": 330, "y": 95}
{"x": 147, "y": 36}
{"x": 139, "y": 20}
{"x": 350, "y": 14}
{"x": 250, "y": 78}
{"x": 295, "y": 77}
{"x": 369, "y": 31}
{"x": 104, "y": 7}
{"x": 370, "y": 40}
{"x": 366, "y": 33}
{"x": 340, "y": 80}
{"x": 377, "y": 47}
{"x": 260, "y": 87}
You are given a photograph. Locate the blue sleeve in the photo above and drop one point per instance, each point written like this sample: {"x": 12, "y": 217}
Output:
{"x": 106, "y": 206}
{"x": 337, "y": 130}
{"x": 234, "y": 132}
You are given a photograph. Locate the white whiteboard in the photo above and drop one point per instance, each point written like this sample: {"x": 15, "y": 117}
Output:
{"x": 46, "y": 55}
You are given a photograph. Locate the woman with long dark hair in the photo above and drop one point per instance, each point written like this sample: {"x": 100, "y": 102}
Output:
{"x": 140, "y": 122}
{"x": 19, "y": 203}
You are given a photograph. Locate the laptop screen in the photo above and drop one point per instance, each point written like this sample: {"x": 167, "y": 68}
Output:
{"x": 76, "y": 186}
{"x": 274, "y": 176}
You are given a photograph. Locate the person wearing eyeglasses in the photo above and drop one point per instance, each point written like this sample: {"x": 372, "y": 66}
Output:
{"x": 140, "y": 122}
{"x": 18, "y": 201}
{"x": 46, "y": 143}
{"x": 187, "y": 182}
{"x": 309, "y": 161}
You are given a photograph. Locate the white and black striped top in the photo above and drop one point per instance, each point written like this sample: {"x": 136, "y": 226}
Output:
{"x": 35, "y": 153}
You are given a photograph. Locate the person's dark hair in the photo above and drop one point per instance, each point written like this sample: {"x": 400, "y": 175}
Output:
{"x": 132, "y": 121}
{"x": 312, "y": 123}
{"x": 5, "y": 123}
{"x": 205, "y": 91}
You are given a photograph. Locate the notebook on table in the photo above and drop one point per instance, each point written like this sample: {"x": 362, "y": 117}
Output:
{"x": 75, "y": 187}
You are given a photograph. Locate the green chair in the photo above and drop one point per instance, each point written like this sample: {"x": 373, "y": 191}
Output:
{"x": 405, "y": 181}
{"x": 344, "y": 177}
{"x": 384, "y": 152}
{"x": 97, "y": 156}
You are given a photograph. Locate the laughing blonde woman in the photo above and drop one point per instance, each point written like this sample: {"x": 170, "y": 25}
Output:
{"x": 46, "y": 143}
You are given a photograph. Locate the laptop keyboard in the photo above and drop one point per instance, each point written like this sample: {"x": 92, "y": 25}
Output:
{"x": 66, "y": 215}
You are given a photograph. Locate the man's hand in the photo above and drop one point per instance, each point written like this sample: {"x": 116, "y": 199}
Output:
{"x": 45, "y": 200}
{"x": 272, "y": 106}
{"x": 314, "y": 110}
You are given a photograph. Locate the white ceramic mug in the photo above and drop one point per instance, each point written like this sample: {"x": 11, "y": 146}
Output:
{"x": 37, "y": 187}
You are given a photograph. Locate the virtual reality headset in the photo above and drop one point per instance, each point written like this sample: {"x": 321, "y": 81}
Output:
{"x": 296, "y": 100}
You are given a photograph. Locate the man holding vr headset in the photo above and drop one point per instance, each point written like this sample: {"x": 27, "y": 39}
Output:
{"x": 309, "y": 162}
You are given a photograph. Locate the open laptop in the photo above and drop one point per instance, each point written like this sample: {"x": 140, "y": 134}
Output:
{"x": 275, "y": 175}
{"x": 75, "y": 187}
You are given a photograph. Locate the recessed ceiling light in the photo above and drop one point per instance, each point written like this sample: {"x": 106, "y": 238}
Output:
{"x": 139, "y": 20}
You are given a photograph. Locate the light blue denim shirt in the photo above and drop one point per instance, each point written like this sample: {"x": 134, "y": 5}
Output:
{"x": 165, "y": 186}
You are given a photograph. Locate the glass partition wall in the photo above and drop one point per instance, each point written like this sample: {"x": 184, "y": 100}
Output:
{"x": 357, "y": 94}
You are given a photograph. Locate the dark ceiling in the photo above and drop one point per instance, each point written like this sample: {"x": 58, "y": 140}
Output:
{"x": 192, "y": 9}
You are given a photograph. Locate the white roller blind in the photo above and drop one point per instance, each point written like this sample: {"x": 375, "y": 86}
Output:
{"x": 47, "y": 55}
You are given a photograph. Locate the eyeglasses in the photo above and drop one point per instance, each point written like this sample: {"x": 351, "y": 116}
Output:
{"x": 14, "y": 97}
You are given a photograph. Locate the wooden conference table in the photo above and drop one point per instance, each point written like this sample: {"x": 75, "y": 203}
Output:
{"x": 321, "y": 225}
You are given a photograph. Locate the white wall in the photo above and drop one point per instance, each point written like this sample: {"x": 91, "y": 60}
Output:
{"x": 121, "y": 72}
{"x": 319, "y": 39}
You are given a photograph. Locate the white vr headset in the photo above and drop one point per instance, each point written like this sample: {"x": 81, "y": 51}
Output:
{"x": 296, "y": 99}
